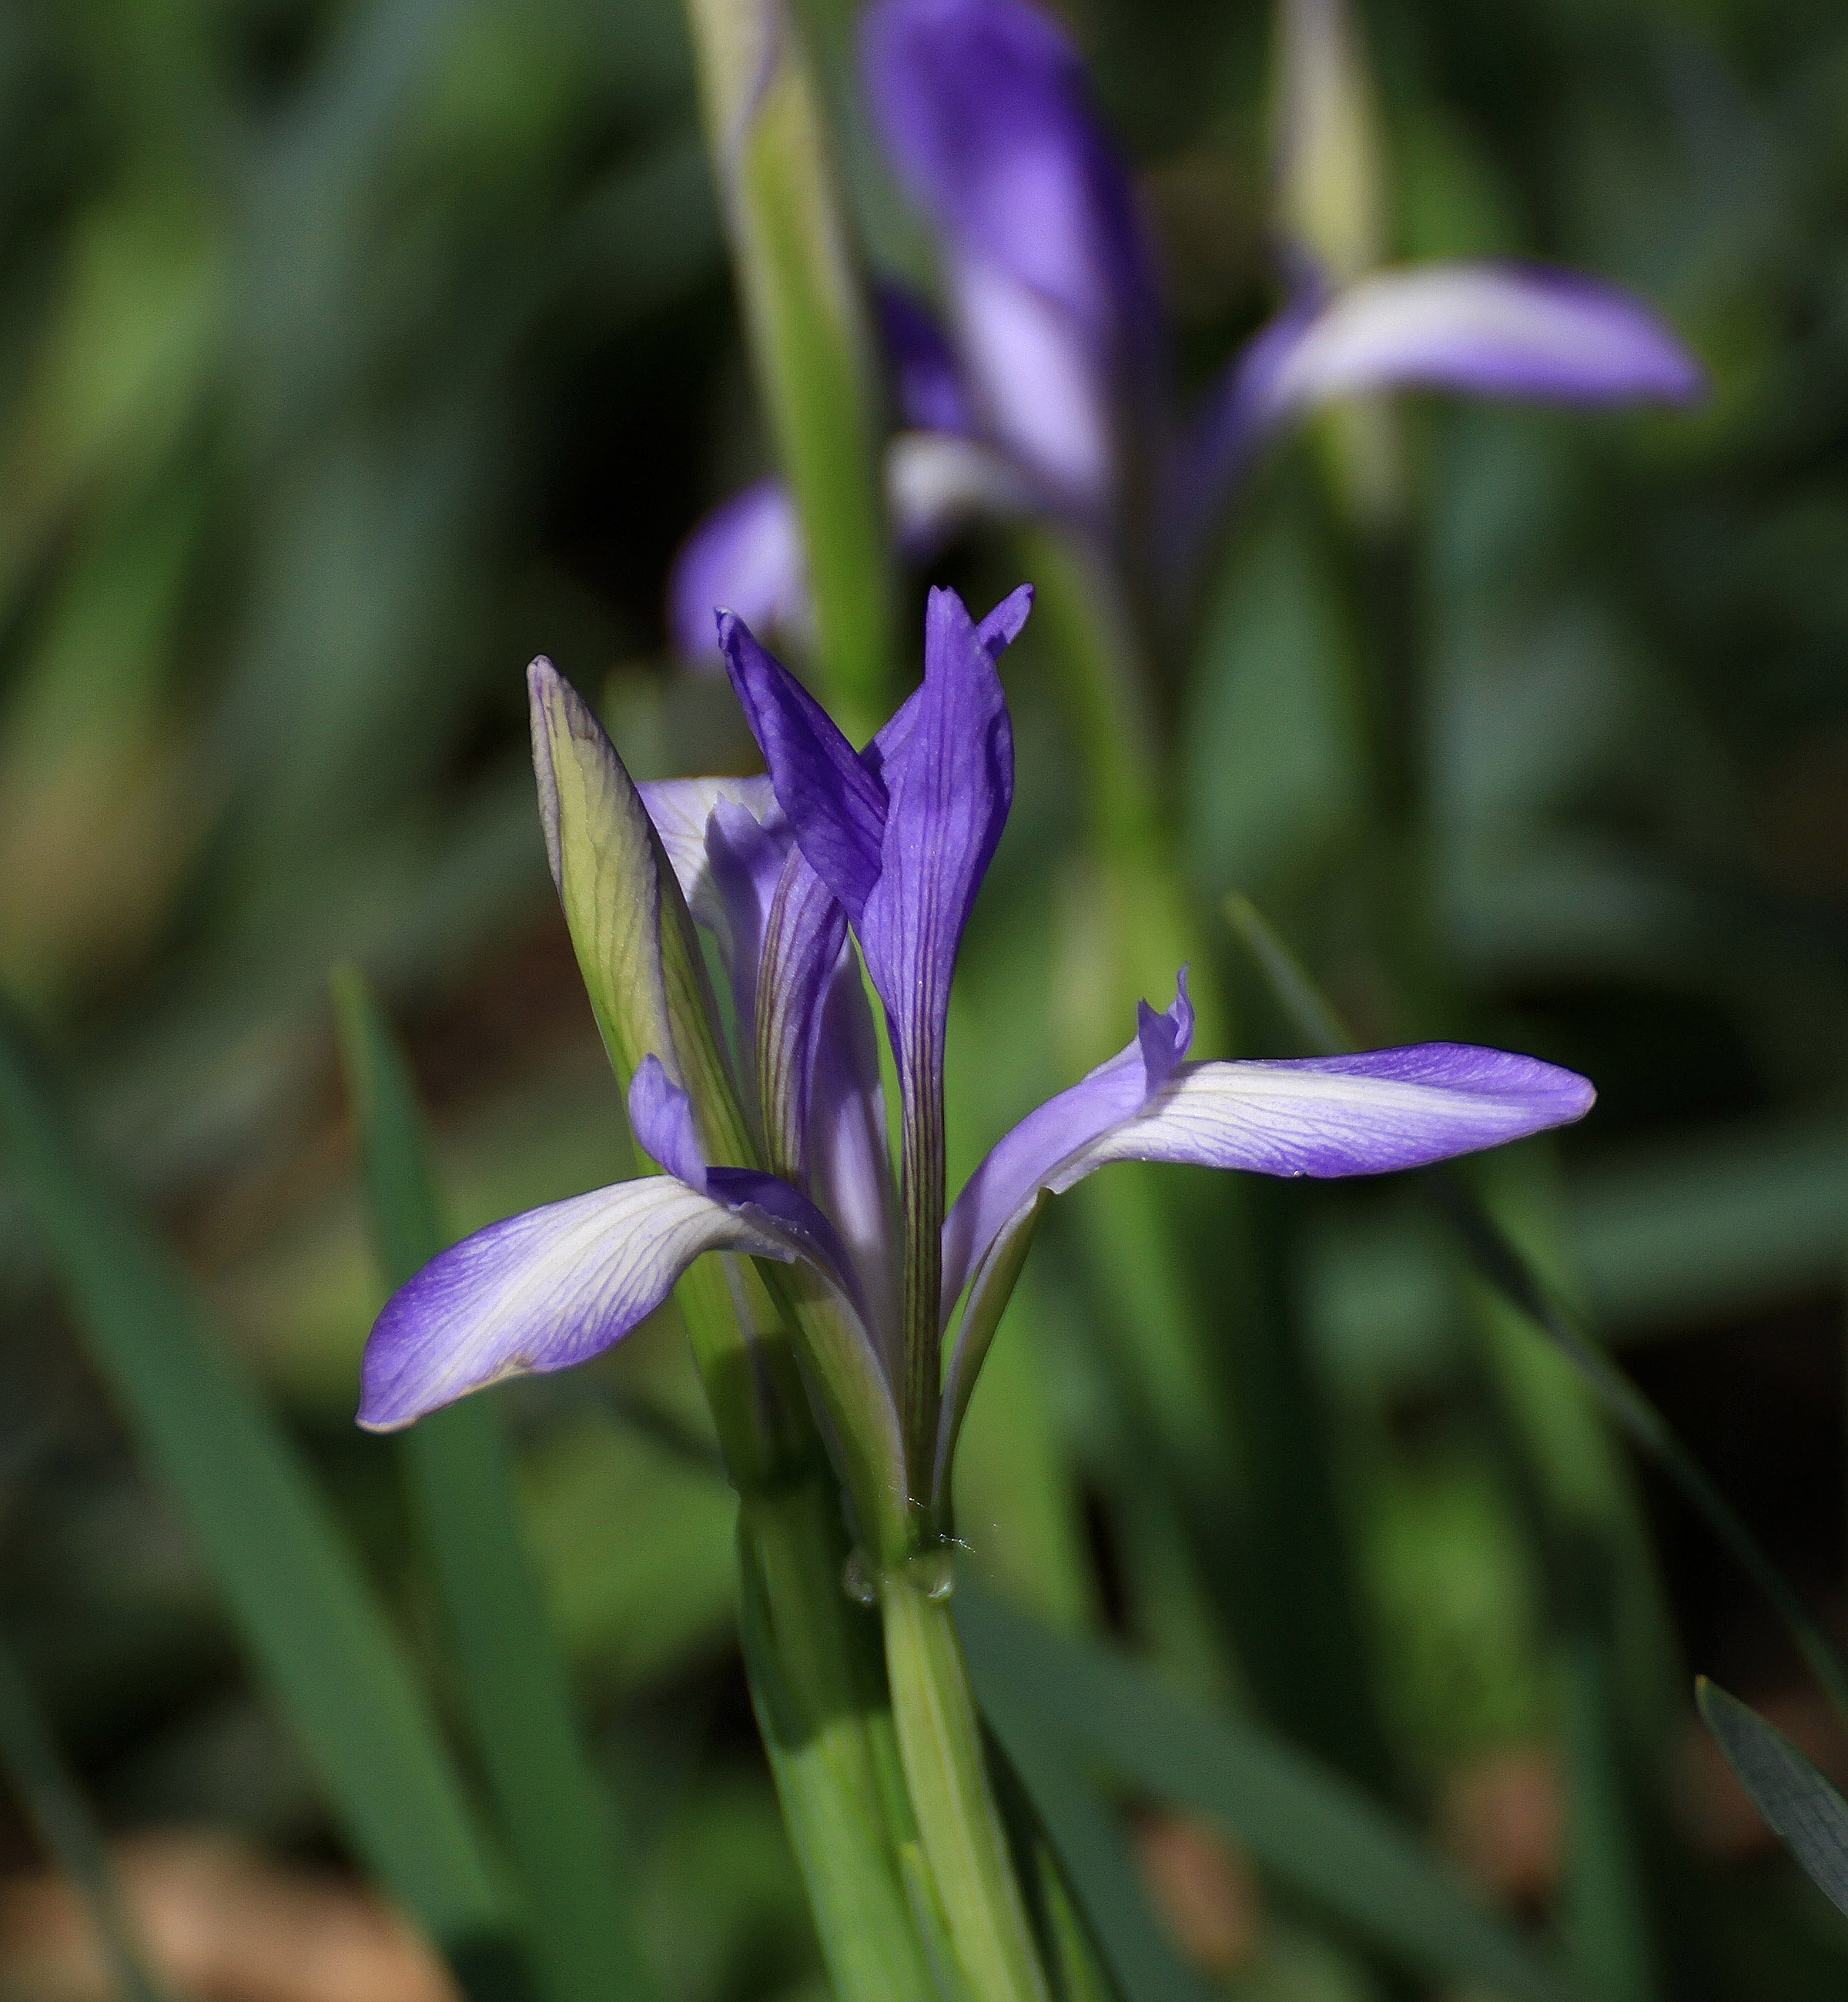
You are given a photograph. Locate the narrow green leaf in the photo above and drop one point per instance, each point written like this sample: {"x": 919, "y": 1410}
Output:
{"x": 43, "y": 1785}
{"x": 1500, "y": 1262}
{"x": 314, "y": 1631}
{"x": 1787, "y": 1789}
{"x": 1323, "y": 1838}
{"x": 513, "y": 1680}
{"x": 1085, "y": 1837}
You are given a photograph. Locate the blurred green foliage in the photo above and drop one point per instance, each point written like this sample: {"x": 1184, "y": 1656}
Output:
{"x": 350, "y": 354}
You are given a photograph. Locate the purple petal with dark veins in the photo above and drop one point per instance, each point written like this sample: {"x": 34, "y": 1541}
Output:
{"x": 805, "y": 932}
{"x": 927, "y": 385}
{"x": 834, "y": 804}
{"x": 745, "y": 556}
{"x": 949, "y": 782}
{"x": 542, "y": 1291}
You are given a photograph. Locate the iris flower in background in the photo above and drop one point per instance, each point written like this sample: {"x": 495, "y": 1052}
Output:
{"x": 884, "y": 849}
{"x": 1048, "y": 392}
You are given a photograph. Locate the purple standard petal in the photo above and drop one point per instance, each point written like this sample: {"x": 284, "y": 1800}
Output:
{"x": 836, "y": 805}
{"x": 542, "y": 1292}
{"x": 985, "y": 109}
{"x": 949, "y": 774}
{"x": 926, "y": 384}
{"x": 683, "y": 810}
{"x": 745, "y": 556}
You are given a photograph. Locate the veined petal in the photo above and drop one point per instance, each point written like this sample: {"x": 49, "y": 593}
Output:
{"x": 835, "y": 804}
{"x": 804, "y": 934}
{"x": 541, "y": 1291}
{"x": 1348, "y": 1115}
{"x": 985, "y": 110}
{"x": 948, "y": 776}
{"x": 745, "y": 555}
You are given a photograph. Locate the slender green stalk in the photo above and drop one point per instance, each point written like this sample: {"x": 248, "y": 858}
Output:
{"x": 58, "y": 1811}
{"x": 809, "y": 337}
{"x": 812, "y": 1658}
{"x": 959, "y": 1827}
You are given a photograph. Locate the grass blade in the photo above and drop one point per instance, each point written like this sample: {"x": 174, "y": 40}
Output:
{"x": 314, "y": 1631}
{"x": 1089, "y": 1846}
{"x": 1501, "y": 1265}
{"x": 513, "y": 1677}
{"x": 1321, "y": 1836}
{"x": 1787, "y": 1789}
{"x": 62, "y": 1816}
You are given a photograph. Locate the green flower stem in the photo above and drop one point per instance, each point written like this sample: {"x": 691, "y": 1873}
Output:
{"x": 959, "y": 1824}
{"x": 815, "y": 1683}
{"x": 809, "y": 1651}
{"x": 809, "y": 337}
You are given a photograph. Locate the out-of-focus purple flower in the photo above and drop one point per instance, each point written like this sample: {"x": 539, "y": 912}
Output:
{"x": 885, "y": 849}
{"x": 1054, "y": 354}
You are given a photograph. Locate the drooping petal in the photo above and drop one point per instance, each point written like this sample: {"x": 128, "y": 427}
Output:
{"x": 985, "y": 110}
{"x": 1487, "y": 329}
{"x": 1349, "y": 1115}
{"x": 1526, "y": 332}
{"x": 927, "y": 385}
{"x": 835, "y": 804}
{"x": 541, "y": 1291}
{"x": 746, "y": 556}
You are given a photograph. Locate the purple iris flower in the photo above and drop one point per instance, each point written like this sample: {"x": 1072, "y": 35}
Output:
{"x": 1049, "y": 392}
{"x": 884, "y": 849}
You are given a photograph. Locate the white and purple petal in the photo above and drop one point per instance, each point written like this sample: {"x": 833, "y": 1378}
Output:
{"x": 1365, "y": 1114}
{"x": 1526, "y": 332}
{"x": 541, "y": 1291}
